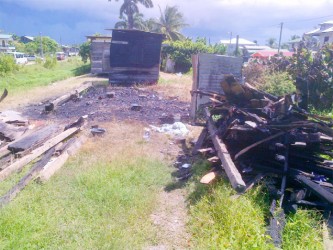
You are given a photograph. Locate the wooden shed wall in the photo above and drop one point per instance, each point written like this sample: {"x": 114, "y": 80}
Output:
{"x": 208, "y": 72}
{"x": 135, "y": 57}
{"x": 100, "y": 57}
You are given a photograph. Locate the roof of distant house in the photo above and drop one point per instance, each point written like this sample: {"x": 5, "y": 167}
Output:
{"x": 29, "y": 37}
{"x": 241, "y": 41}
{"x": 268, "y": 53}
{"x": 4, "y": 36}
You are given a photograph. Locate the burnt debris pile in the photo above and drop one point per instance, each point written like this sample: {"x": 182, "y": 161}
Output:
{"x": 259, "y": 136}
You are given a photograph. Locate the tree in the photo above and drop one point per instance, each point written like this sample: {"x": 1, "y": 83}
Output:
{"x": 130, "y": 8}
{"x": 138, "y": 22}
{"x": 49, "y": 46}
{"x": 85, "y": 51}
{"x": 170, "y": 23}
{"x": 271, "y": 42}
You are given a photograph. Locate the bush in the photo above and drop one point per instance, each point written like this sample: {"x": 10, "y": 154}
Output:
{"x": 316, "y": 69}
{"x": 50, "y": 62}
{"x": 181, "y": 52}
{"x": 7, "y": 64}
{"x": 279, "y": 84}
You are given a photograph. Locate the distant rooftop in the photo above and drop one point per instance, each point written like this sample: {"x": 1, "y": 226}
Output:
{"x": 241, "y": 41}
{"x": 4, "y": 36}
{"x": 327, "y": 22}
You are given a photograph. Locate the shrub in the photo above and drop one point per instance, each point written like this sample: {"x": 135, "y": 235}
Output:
{"x": 279, "y": 84}
{"x": 7, "y": 64}
{"x": 181, "y": 52}
{"x": 50, "y": 62}
{"x": 317, "y": 70}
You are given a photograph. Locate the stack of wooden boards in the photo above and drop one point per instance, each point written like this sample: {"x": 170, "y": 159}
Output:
{"x": 45, "y": 148}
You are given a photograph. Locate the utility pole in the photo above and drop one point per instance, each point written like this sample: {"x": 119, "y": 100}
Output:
{"x": 41, "y": 45}
{"x": 280, "y": 38}
{"x": 237, "y": 42}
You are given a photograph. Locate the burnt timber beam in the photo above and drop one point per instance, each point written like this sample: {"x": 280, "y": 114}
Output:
{"x": 232, "y": 172}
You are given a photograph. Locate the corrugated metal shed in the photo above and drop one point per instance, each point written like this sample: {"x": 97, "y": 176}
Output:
{"x": 208, "y": 73}
{"x": 135, "y": 56}
{"x": 100, "y": 54}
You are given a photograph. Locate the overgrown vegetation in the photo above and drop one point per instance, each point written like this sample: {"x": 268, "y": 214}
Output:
{"x": 30, "y": 76}
{"x": 181, "y": 52}
{"x": 85, "y": 51}
{"x": 219, "y": 219}
{"x": 7, "y": 64}
{"x": 314, "y": 68}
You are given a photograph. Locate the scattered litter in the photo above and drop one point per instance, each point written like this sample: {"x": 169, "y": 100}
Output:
{"x": 146, "y": 134}
{"x": 176, "y": 129}
{"x": 186, "y": 165}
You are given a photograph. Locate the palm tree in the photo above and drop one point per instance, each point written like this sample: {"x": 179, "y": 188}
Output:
{"x": 170, "y": 23}
{"x": 130, "y": 8}
{"x": 138, "y": 22}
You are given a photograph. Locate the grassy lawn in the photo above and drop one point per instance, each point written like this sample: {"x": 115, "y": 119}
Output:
{"x": 101, "y": 199}
{"x": 219, "y": 220}
{"x": 31, "y": 76}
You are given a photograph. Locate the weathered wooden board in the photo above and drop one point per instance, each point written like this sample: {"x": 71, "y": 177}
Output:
{"x": 33, "y": 172}
{"x": 228, "y": 165}
{"x": 65, "y": 98}
{"x": 36, "y": 153}
{"x": 34, "y": 139}
{"x": 53, "y": 166}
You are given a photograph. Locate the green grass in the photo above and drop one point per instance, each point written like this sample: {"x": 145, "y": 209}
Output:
{"x": 31, "y": 76}
{"x": 218, "y": 220}
{"x": 93, "y": 203}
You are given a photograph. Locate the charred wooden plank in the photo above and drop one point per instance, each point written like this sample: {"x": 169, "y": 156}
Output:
{"x": 232, "y": 172}
{"x": 245, "y": 150}
{"x": 321, "y": 192}
{"x": 65, "y": 98}
{"x": 32, "y": 140}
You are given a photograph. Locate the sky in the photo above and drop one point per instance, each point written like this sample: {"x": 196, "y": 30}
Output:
{"x": 69, "y": 21}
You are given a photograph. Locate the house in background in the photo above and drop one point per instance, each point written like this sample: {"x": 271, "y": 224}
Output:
{"x": 231, "y": 44}
{"x": 27, "y": 39}
{"x": 100, "y": 54}
{"x": 324, "y": 33}
{"x": 5, "y": 45}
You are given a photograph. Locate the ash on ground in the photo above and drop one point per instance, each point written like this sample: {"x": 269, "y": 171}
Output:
{"x": 107, "y": 103}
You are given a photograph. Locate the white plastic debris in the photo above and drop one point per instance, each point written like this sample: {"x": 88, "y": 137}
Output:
{"x": 186, "y": 165}
{"x": 146, "y": 134}
{"x": 176, "y": 129}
